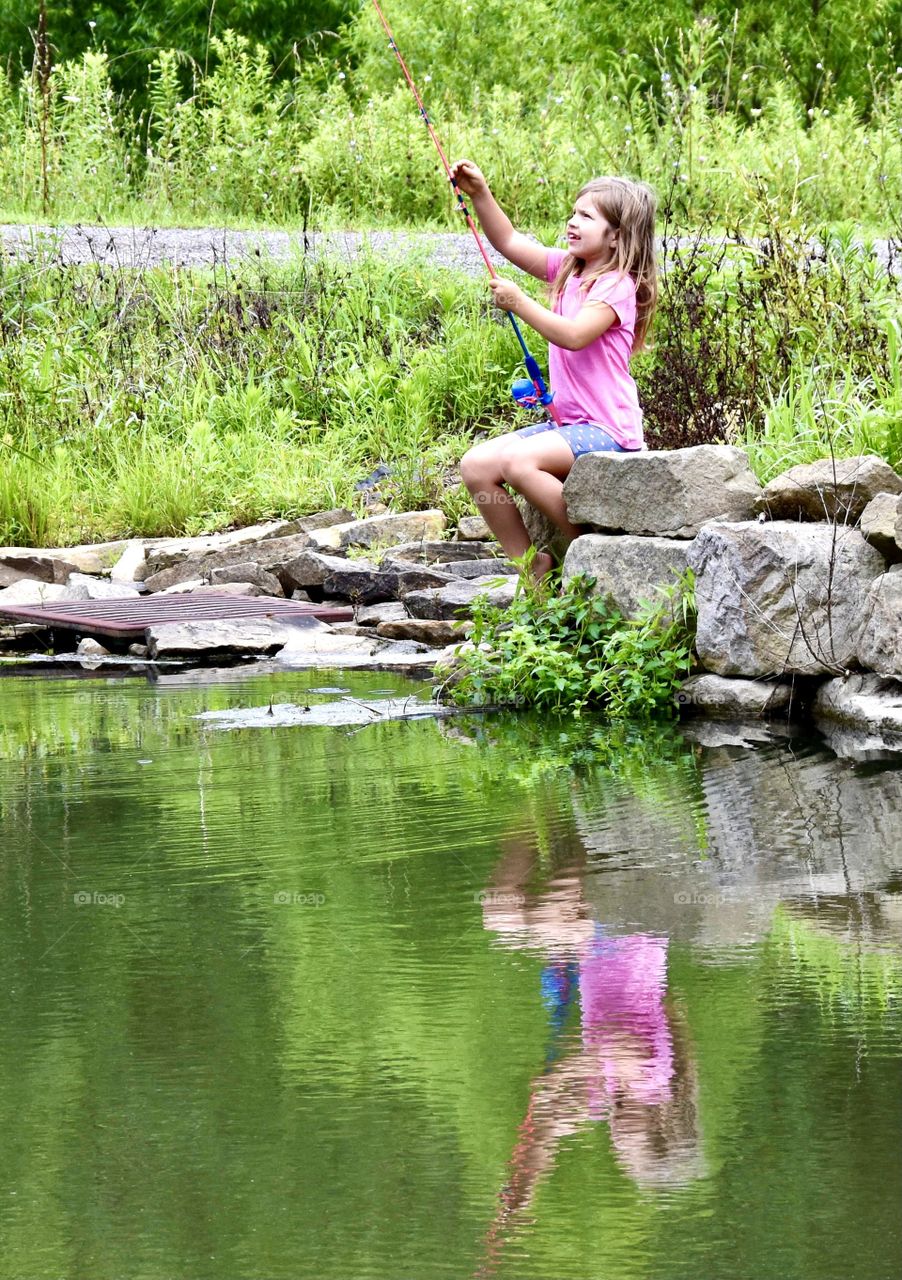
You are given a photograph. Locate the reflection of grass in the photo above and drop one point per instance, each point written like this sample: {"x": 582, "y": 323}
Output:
{"x": 849, "y": 976}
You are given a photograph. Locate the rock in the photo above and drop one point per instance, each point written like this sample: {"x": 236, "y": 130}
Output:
{"x": 248, "y": 572}
{"x": 132, "y": 563}
{"x": 414, "y": 577}
{"x": 18, "y": 563}
{"x": 473, "y": 529}
{"x": 430, "y": 552}
{"x": 456, "y": 599}
{"x": 310, "y": 568}
{"x": 89, "y": 647}
{"x": 382, "y": 530}
{"x": 735, "y": 699}
{"x": 830, "y": 489}
{"x": 863, "y": 701}
{"x": 780, "y": 598}
{"x": 220, "y": 589}
{"x": 370, "y": 615}
{"x": 271, "y": 554}
{"x": 29, "y": 591}
{"x": 543, "y": 533}
{"x": 431, "y": 631}
{"x": 81, "y": 586}
{"x": 138, "y": 650}
{"x": 627, "y": 569}
{"x": 233, "y": 637}
{"x": 878, "y": 524}
{"x": 476, "y": 568}
{"x": 669, "y": 493}
{"x": 880, "y": 643}
{"x": 360, "y": 582}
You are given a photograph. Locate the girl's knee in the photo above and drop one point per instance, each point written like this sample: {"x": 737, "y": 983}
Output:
{"x": 478, "y": 469}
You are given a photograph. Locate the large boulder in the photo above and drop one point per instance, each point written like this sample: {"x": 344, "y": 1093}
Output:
{"x": 216, "y": 638}
{"x": 430, "y": 552}
{"x": 880, "y": 644}
{"x": 669, "y": 493}
{"x": 83, "y": 586}
{"x": 32, "y": 591}
{"x": 780, "y": 598}
{"x": 830, "y": 489}
{"x": 627, "y": 569}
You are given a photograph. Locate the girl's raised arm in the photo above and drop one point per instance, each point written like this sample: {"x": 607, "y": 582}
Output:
{"x": 516, "y": 247}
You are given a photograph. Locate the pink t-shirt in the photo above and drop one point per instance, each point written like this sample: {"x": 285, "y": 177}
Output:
{"x": 595, "y": 385}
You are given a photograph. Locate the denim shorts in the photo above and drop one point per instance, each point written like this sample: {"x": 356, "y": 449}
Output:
{"x": 582, "y": 437}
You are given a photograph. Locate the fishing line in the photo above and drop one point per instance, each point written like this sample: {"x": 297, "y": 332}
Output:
{"x": 535, "y": 392}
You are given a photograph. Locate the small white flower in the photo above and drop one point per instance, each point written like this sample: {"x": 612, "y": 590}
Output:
{"x": 666, "y": 76}
{"x": 810, "y": 112}
{"x": 745, "y": 75}
{"x": 495, "y": 132}
{"x": 427, "y": 79}
{"x": 825, "y": 113}
{"x": 755, "y": 111}
{"x": 342, "y": 76}
{"x": 213, "y": 168}
{"x": 820, "y": 66}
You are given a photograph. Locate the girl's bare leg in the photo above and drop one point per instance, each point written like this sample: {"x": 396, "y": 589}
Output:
{"x": 537, "y": 467}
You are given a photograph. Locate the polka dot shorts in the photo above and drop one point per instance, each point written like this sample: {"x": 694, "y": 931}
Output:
{"x": 582, "y": 437}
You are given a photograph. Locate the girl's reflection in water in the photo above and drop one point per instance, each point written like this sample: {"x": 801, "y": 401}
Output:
{"x": 628, "y": 1062}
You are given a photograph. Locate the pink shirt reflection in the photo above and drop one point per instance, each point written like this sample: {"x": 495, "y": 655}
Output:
{"x": 622, "y": 983}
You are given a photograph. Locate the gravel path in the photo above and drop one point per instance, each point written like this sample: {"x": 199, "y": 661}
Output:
{"x": 152, "y": 246}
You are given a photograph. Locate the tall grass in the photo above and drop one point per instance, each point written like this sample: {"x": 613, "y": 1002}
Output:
{"x": 345, "y": 146}
{"x": 165, "y": 401}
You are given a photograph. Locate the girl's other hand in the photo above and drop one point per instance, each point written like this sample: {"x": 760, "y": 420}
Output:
{"x": 506, "y": 295}
{"x": 469, "y": 177}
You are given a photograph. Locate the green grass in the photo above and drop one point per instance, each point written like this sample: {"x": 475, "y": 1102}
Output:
{"x": 146, "y": 402}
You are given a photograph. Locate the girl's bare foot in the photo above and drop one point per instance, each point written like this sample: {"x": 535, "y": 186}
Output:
{"x": 542, "y": 564}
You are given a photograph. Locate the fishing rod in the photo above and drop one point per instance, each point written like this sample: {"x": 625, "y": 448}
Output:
{"x": 531, "y": 393}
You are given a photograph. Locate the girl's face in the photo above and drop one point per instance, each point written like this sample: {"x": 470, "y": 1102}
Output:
{"x": 589, "y": 234}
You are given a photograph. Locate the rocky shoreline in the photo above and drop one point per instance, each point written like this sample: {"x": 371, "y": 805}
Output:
{"x": 798, "y": 584}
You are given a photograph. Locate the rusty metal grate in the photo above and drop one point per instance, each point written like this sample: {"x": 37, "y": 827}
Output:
{"x": 124, "y": 618}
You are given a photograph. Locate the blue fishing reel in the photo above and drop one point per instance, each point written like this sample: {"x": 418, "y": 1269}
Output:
{"x": 531, "y": 392}
{"x": 525, "y": 394}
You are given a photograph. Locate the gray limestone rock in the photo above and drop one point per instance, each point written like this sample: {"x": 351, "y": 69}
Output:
{"x": 233, "y": 637}
{"x": 626, "y": 568}
{"x": 878, "y": 523}
{"x": 669, "y": 493}
{"x": 84, "y": 587}
{"x": 475, "y": 568}
{"x": 734, "y": 699}
{"x": 17, "y": 563}
{"x": 431, "y": 631}
{"x": 780, "y": 598}
{"x": 271, "y": 554}
{"x": 455, "y": 601}
{"x": 473, "y": 529}
{"x": 830, "y": 489}
{"x": 31, "y": 591}
{"x": 429, "y": 552}
{"x": 880, "y": 644}
{"x": 248, "y": 572}
{"x": 862, "y": 701}
{"x": 382, "y": 530}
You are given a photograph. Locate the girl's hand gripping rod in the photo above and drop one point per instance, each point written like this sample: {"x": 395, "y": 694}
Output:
{"x": 531, "y": 393}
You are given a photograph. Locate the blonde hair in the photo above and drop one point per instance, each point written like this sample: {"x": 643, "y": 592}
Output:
{"x": 629, "y": 207}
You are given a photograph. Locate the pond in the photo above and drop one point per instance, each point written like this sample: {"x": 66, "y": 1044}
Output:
{"x": 438, "y": 998}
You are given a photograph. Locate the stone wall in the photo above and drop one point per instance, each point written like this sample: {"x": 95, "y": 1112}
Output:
{"x": 798, "y": 584}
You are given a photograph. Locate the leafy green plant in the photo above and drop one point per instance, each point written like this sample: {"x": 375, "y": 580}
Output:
{"x": 572, "y": 650}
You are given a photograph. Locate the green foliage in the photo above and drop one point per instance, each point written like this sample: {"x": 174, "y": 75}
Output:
{"x": 250, "y": 130}
{"x": 573, "y": 650}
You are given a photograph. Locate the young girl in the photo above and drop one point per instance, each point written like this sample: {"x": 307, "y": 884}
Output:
{"x": 603, "y": 295}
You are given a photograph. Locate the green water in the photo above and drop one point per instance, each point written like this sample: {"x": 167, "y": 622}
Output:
{"x": 374, "y": 1001}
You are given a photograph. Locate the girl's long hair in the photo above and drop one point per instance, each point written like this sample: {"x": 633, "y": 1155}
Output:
{"x": 630, "y": 208}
